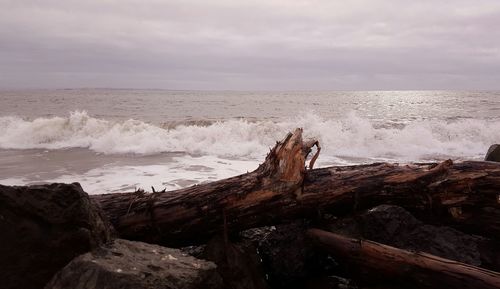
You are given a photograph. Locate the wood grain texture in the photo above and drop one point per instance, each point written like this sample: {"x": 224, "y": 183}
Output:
{"x": 464, "y": 195}
{"x": 382, "y": 263}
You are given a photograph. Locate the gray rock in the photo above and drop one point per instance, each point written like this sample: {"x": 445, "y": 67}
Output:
{"x": 493, "y": 153}
{"x": 394, "y": 226}
{"x": 136, "y": 265}
{"x": 42, "y": 229}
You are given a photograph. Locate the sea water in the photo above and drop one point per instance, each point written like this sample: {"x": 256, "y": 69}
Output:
{"x": 113, "y": 140}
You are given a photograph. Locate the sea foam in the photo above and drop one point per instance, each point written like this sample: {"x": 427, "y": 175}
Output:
{"x": 345, "y": 138}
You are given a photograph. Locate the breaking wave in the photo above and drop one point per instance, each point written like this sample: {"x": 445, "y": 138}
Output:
{"x": 350, "y": 137}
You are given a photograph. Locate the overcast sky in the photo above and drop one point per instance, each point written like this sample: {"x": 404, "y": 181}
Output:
{"x": 250, "y": 45}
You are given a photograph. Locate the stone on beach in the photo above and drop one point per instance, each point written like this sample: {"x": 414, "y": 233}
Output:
{"x": 238, "y": 264}
{"x": 493, "y": 153}
{"x": 136, "y": 265}
{"x": 44, "y": 227}
{"x": 288, "y": 258}
{"x": 394, "y": 226}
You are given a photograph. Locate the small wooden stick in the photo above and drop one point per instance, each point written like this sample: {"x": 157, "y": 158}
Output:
{"x": 316, "y": 155}
{"x": 307, "y": 147}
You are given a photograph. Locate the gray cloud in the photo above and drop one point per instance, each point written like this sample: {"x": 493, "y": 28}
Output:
{"x": 273, "y": 44}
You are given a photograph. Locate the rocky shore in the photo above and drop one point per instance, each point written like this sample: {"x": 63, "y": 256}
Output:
{"x": 65, "y": 242}
{"x": 57, "y": 237}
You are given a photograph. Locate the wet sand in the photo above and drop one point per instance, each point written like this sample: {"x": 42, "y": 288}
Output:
{"x": 39, "y": 164}
{"x": 102, "y": 173}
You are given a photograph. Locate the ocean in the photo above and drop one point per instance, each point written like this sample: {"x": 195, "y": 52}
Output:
{"x": 118, "y": 140}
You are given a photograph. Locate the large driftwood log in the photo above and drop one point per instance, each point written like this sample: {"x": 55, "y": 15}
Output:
{"x": 395, "y": 266}
{"x": 463, "y": 194}
{"x": 240, "y": 202}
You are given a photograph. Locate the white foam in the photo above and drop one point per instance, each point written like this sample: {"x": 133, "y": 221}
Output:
{"x": 341, "y": 139}
{"x": 181, "y": 172}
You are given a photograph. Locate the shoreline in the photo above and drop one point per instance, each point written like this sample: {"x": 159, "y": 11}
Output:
{"x": 234, "y": 238}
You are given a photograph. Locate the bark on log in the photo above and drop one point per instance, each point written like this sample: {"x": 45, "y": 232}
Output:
{"x": 198, "y": 212}
{"x": 395, "y": 266}
{"x": 463, "y": 194}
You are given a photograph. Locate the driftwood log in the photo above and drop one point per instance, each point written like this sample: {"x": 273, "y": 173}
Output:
{"x": 465, "y": 195}
{"x": 381, "y": 263}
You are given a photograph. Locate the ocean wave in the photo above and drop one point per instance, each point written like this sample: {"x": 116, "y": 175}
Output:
{"x": 349, "y": 137}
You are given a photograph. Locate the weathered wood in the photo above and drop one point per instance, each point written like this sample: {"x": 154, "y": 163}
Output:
{"x": 382, "y": 263}
{"x": 463, "y": 194}
{"x": 244, "y": 201}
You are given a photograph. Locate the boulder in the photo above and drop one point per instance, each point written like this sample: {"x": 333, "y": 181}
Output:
{"x": 394, "y": 226}
{"x": 284, "y": 253}
{"x": 238, "y": 264}
{"x": 289, "y": 259}
{"x": 136, "y": 265}
{"x": 44, "y": 227}
{"x": 493, "y": 153}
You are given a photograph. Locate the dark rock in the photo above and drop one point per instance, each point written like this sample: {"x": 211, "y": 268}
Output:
{"x": 490, "y": 254}
{"x": 394, "y": 226}
{"x": 238, "y": 264}
{"x": 43, "y": 228}
{"x": 194, "y": 250}
{"x": 136, "y": 265}
{"x": 283, "y": 253}
{"x": 330, "y": 282}
{"x": 288, "y": 258}
{"x": 493, "y": 153}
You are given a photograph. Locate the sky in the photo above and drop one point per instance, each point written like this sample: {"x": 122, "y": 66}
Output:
{"x": 250, "y": 45}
